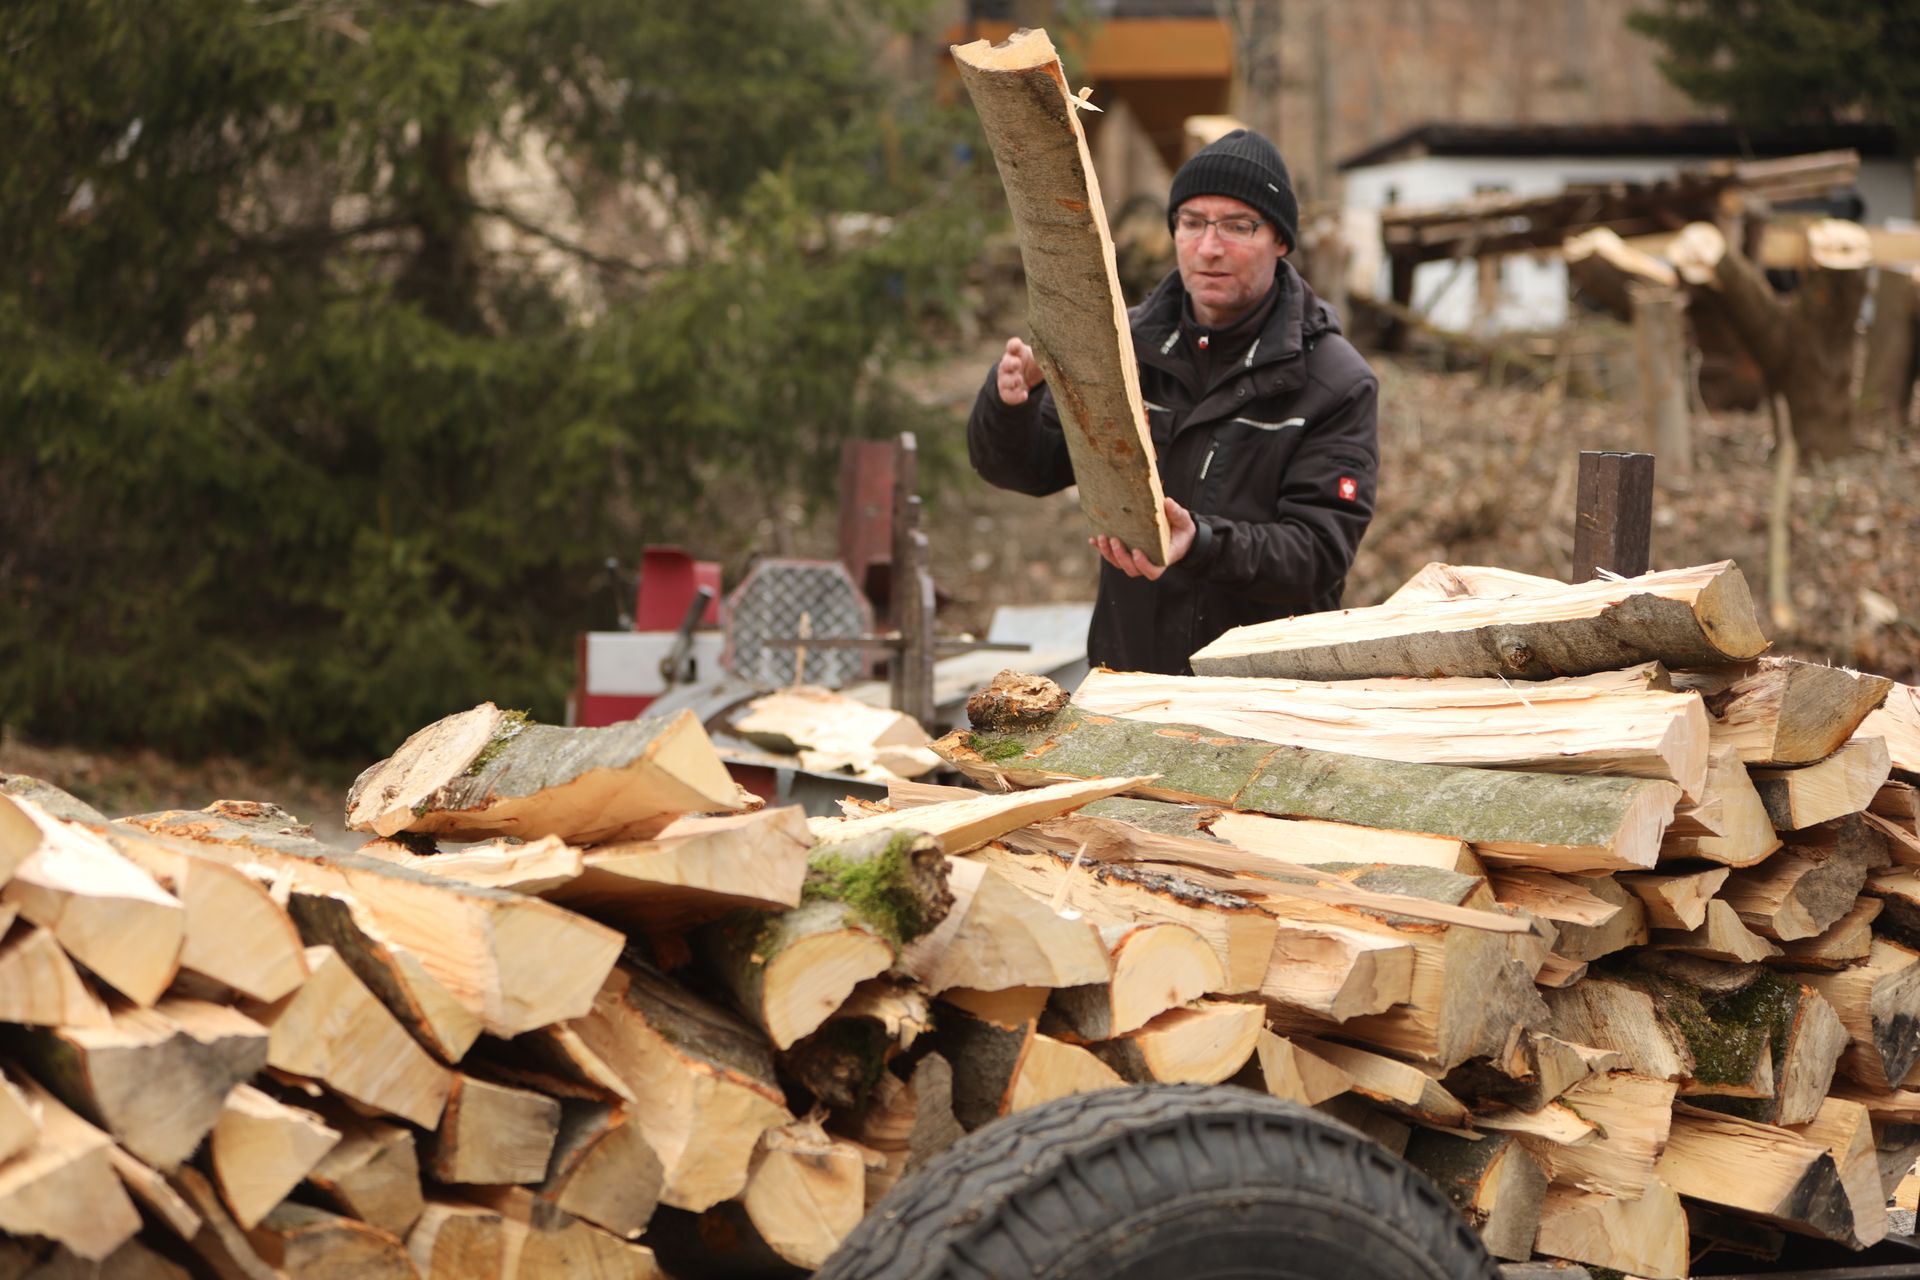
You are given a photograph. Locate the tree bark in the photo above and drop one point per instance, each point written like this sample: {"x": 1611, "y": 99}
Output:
{"x": 1893, "y": 352}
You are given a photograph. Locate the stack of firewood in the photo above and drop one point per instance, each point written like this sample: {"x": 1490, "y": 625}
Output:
{"x": 1624, "y": 959}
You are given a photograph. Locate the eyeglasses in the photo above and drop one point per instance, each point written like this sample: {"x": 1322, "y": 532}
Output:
{"x": 1191, "y": 226}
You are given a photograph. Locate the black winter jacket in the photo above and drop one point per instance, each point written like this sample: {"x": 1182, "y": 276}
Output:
{"x": 1277, "y": 461}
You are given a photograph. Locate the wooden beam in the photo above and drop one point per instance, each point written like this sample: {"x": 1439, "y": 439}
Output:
{"x": 1613, "y": 515}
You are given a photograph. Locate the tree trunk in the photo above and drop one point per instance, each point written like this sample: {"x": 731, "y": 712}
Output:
{"x": 1660, "y": 356}
{"x": 1893, "y": 352}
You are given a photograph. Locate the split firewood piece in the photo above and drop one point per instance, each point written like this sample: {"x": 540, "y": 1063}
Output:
{"x": 459, "y": 1241}
{"x": 866, "y": 898}
{"x": 1437, "y": 580}
{"x": 836, "y": 1064}
{"x": 1081, "y": 336}
{"x": 64, "y": 1187}
{"x": 1377, "y": 1122}
{"x": 131, "y": 1261}
{"x": 1845, "y": 941}
{"x": 261, "y": 1149}
{"x": 1400, "y": 1085}
{"x": 1205, "y": 1042}
{"x": 155, "y": 1079}
{"x": 906, "y": 1122}
{"x": 106, "y": 912}
{"x": 1879, "y": 1003}
{"x": 1846, "y": 1130}
{"x": 1898, "y": 721}
{"x": 806, "y": 1191}
{"x": 707, "y": 1080}
{"x": 1899, "y": 803}
{"x": 486, "y": 772}
{"x": 533, "y": 867}
{"x": 1784, "y": 711}
{"x": 1676, "y": 901}
{"x": 1541, "y": 1067}
{"x": 1336, "y": 972}
{"x": 1665, "y": 1029}
{"x": 1557, "y": 1123}
{"x": 52, "y": 800}
{"x": 1469, "y": 992}
{"x": 1000, "y": 1070}
{"x": 1644, "y": 1236}
{"x": 1494, "y": 1182}
{"x": 1786, "y": 1179}
{"x": 1591, "y": 822}
{"x": 517, "y": 962}
{"x": 312, "y": 1244}
{"x": 422, "y": 1003}
{"x": 1000, "y": 936}
{"x": 603, "y": 1170}
{"x": 493, "y": 1133}
{"x": 1843, "y": 783}
{"x": 373, "y": 1174}
{"x": 1239, "y": 932}
{"x": 1723, "y": 937}
{"x": 1625, "y": 927}
{"x": 1701, "y": 616}
{"x": 695, "y": 871}
{"x": 1810, "y": 884}
{"x": 1307, "y": 842}
{"x": 333, "y": 1030}
{"x": 236, "y": 933}
{"x": 220, "y": 1247}
{"x": 1289, "y": 1071}
{"x": 1898, "y": 892}
{"x": 19, "y": 1121}
{"x": 1895, "y": 1147}
{"x": 830, "y": 730}
{"x": 1565, "y": 900}
{"x": 1729, "y": 825}
{"x": 1814, "y": 1040}
{"x": 1558, "y": 729}
{"x": 1156, "y": 967}
{"x": 1608, "y": 271}
{"x": 964, "y": 825}
{"x": 39, "y": 985}
{"x": 156, "y": 1195}
{"x": 1631, "y": 1115}
{"x": 543, "y": 1241}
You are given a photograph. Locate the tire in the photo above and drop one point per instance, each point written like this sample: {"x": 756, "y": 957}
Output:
{"x": 1164, "y": 1182}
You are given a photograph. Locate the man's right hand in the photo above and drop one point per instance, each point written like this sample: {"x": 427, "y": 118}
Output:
{"x": 1019, "y": 373}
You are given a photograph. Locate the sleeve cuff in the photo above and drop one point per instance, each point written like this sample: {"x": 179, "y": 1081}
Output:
{"x": 1206, "y": 544}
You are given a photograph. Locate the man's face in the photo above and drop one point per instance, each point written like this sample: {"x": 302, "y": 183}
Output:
{"x": 1226, "y": 279}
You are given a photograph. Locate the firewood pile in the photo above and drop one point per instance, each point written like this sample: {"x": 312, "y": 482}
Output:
{"x": 1601, "y": 916}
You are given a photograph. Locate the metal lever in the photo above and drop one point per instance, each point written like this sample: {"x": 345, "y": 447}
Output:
{"x": 677, "y": 666}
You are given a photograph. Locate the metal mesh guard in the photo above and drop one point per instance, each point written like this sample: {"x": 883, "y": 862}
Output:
{"x": 770, "y": 604}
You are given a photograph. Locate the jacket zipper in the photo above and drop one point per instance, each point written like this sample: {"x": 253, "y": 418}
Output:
{"x": 1213, "y": 447}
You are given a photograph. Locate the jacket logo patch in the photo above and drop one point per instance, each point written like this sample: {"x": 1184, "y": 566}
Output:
{"x": 1349, "y": 488}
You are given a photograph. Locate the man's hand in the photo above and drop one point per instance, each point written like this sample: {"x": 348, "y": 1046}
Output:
{"x": 1019, "y": 373}
{"x": 1134, "y": 564}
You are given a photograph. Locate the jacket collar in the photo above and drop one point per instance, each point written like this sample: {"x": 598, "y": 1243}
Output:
{"x": 1297, "y": 320}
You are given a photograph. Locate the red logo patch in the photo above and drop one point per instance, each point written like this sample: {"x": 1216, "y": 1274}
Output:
{"x": 1349, "y": 488}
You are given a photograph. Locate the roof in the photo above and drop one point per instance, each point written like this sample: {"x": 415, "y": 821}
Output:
{"x": 1691, "y": 138}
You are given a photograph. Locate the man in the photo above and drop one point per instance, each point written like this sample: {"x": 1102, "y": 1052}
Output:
{"x": 1262, "y": 418}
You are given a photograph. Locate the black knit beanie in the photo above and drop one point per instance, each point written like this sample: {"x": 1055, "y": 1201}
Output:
{"x": 1247, "y": 167}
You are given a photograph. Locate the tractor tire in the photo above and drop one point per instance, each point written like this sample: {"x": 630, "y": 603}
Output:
{"x": 1164, "y": 1182}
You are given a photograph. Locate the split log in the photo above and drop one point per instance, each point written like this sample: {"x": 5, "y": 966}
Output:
{"x": 457, "y": 1241}
{"x": 1846, "y": 1131}
{"x": 533, "y": 867}
{"x": 1337, "y": 973}
{"x": 131, "y": 1261}
{"x": 1375, "y": 1122}
{"x": 838, "y": 1063}
{"x": 486, "y": 772}
{"x": 63, "y": 1187}
{"x": 1843, "y": 783}
{"x": 1308, "y": 843}
{"x": 155, "y": 1079}
{"x": 1562, "y": 728}
{"x": 1782, "y": 711}
{"x": 603, "y": 1170}
{"x": 1402, "y": 1086}
{"x": 1205, "y": 1042}
{"x": 1729, "y": 825}
{"x": 306, "y": 1243}
{"x": 156, "y": 1195}
{"x": 1846, "y": 940}
{"x": 1710, "y": 1043}
{"x": 1676, "y": 901}
{"x": 1081, "y": 336}
{"x": 1594, "y": 821}
{"x": 106, "y": 912}
{"x": 1289, "y": 1071}
{"x": 1000, "y": 1070}
{"x": 1603, "y": 268}
{"x": 1811, "y": 884}
{"x": 542, "y": 1241}
{"x": 40, "y": 987}
{"x": 1724, "y": 937}
{"x": 805, "y": 1193}
{"x": 999, "y": 936}
{"x": 1898, "y": 721}
{"x": 1646, "y": 1236}
{"x": 906, "y": 1123}
{"x": 1700, "y": 616}
{"x": 19, "y": 1123}
{"x": 694, "y": 872}
{"x": 516, "y": 962}
{"x": 963, "y": 825}
{"x": 1625, "y": 926}
{"x": 261, "y": 1149}
{"x": 333, "y": 1030}
{"x": 1879, "y": 1003}
{"x": 1156, "y": 967}
{"x": 493, "y": 1133}
{"x": 1898, "y": 891}
{"x": 1784, "y": 1178}
{"x": 829, "y": 731}
{"x": 707, "y": 1080}
{"x": 1494, "y": 1183}
{"x": 866, "y": 897}
{"x": 1541, "y": 1067}
{"x": 52, "y": 801}
{"x": 373, "y": 1174}
{"x": 1632, "y": 1115}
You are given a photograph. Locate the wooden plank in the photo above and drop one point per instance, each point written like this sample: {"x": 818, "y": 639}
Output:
{"x": 1613, "y": 515}
{"x": 1081, "y": 335}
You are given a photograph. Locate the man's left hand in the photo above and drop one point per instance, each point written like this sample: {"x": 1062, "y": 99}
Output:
{"x": 1135, "y": 563}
